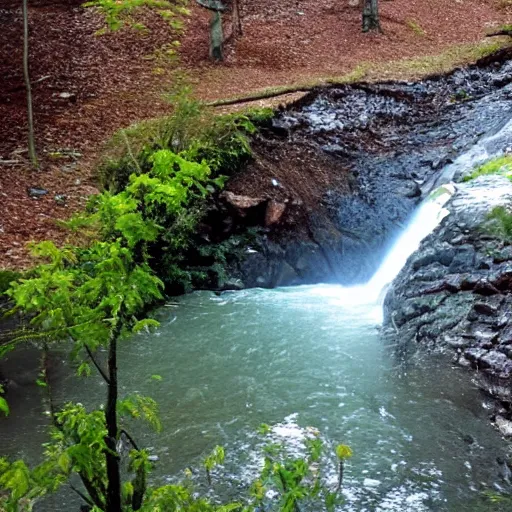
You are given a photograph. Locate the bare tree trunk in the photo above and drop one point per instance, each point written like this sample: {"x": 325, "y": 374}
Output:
{"x": 31, "y": 144}
{"x": 216, "y": 37}
{"x": 237, "y": 20}
{"x": 371, "y": 16}
{"x": 111, "y": 456}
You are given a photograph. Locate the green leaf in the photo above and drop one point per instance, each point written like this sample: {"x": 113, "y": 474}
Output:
{"x": 64, "y": 462}
{"x": 84, "y": 369}
{"x": 147, "y": 324}
{"x": 264, "y": 429}
{"x": 156, "y": 377}
{"x": 215, "y": 458}
{"x": 343, "y": 452}
{"x": 4, "y": 407}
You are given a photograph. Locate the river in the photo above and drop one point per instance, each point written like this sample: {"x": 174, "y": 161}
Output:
{"x": 295, "y": 357}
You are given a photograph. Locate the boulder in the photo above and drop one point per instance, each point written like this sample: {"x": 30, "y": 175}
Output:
{"x": 241, "y": 202}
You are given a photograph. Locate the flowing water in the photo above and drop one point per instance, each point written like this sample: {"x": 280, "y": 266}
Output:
{"x": 296, "y": 357}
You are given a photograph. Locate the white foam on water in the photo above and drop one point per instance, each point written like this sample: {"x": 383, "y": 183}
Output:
{"x": 427, "y": 217}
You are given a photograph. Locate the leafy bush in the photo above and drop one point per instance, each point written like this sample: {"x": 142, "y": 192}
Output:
{"x": 192, "y": 131}
{"x": 197, "y": 139}
{"x": 6, "y": 278}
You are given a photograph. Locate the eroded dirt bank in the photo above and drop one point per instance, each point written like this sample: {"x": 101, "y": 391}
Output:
{"x": 336, "y": 175}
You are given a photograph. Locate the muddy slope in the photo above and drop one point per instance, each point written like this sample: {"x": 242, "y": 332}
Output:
{"x": 337, "y": 175}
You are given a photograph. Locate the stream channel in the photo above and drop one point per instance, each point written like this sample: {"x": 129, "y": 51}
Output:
{"x": 292, "y": 358}
{"x": 296, "y": 357}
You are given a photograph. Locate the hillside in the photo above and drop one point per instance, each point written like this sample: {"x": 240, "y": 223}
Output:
{"x": 99, "y": 84}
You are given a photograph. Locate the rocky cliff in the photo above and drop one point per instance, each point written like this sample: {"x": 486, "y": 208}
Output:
{"x": 455, "y": 292}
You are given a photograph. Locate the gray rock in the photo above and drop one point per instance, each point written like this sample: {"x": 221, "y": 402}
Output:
{"x": 36, "y": 192}
{"x": 455, "y": 292}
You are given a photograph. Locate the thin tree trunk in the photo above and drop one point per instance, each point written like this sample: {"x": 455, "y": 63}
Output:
{"x": 112, "y": 457}
{"x": 371, "y": 16}
{"x": 31, "y": 144}
{"x": 216, "y": 37}
{"x": 237, "y": 20}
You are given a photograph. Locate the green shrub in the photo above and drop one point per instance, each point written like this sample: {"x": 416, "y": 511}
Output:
{"x": 6, "y": 278}
{"x": 501, "y": 166}
{"x": 193, "y": 138}
{"x": 191, "y": 131}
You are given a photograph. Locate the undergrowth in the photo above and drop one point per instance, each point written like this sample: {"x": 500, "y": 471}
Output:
{"x": 190, "y": 149}
{"x": 6, "y": 278}
{"x": 499, "y": 220}
{"x": 123, "y": 13}
{"x": 500, "y": 223}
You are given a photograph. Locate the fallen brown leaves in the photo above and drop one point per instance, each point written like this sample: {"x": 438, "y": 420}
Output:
{"x": 86, "y": 87}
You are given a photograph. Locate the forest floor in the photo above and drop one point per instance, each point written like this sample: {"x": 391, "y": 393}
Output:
{"x": 88, "y": 86}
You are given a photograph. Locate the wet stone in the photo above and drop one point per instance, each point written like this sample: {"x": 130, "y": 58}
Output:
{"x": 483, "y": 308}
{"x": 36, "y": 192}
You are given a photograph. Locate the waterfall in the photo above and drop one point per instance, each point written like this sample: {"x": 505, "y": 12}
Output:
{"x": 426, "y": 218}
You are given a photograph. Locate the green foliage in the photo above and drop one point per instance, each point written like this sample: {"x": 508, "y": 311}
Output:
{"x": 500, "y": 223}
{"x": 141, "y": 407}
{"x": 192, "y": 131}
{"x": 75, "y": 291}
{"x": 16, "y": 479}
{"x": 498, "y": 498}
{"x": 215, "y": 458}
{"x": 6, "y": 278}
{"x": 120, "y": 13}
{"x": 4, "y": 407}
{"x": 295, "y": 481}
{"x": 314, "y": 447}
{"x": 343, "y": 452}
{"x": 160, "y": 175}
{"x": 501, "y": 166}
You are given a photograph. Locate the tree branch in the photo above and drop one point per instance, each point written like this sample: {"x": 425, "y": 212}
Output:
{"x": 93, "y": 491}
{"x": 261, "y": 95}
{"x": 130, "y": 438}
{"x": 96, "y": 364}
{"x": 504, "y": 32}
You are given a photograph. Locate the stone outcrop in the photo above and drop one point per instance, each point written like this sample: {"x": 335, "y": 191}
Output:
{"x": 455, "y": 292}
{"x": 337, "y": 175}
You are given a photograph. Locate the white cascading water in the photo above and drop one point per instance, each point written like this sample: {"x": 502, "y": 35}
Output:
{"x": 426, "y": 218}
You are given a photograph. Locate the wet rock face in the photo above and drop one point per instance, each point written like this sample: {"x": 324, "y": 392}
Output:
{"x": 455, "y": 292}
{"x": 394, "y": 141}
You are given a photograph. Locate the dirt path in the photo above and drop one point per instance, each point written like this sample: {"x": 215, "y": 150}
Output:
{"x": 88, "y": 86}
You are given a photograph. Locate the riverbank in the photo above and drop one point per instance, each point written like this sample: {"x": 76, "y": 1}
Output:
{"x": 108, "y": 82}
